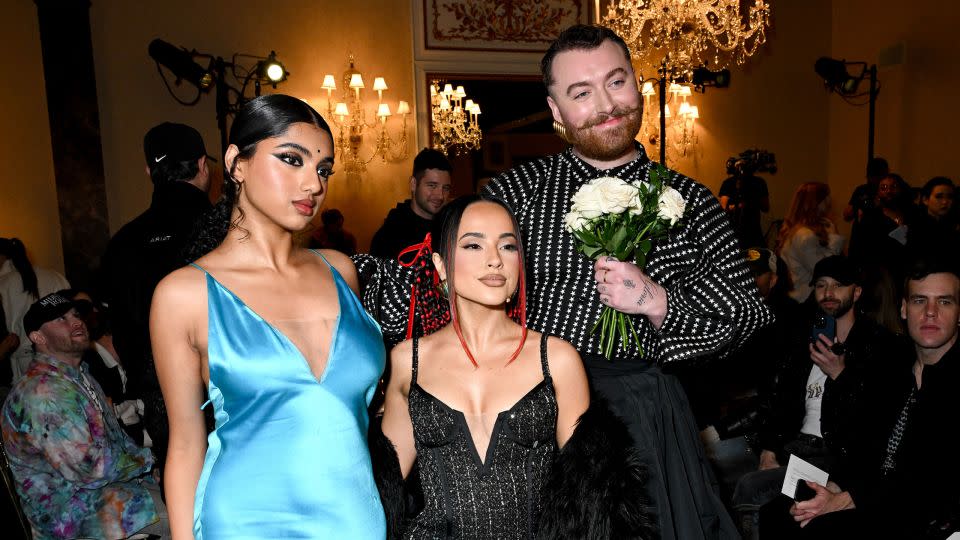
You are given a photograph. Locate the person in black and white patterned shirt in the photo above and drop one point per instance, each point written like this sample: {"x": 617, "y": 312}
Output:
{"x": 694, "y": 299}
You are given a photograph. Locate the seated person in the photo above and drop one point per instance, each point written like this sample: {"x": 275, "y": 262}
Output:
{"x": 905, "y": 482}
{"x": 105, "y": 365}
{"x": 817, "y": 397}
{"x": 77, "y": 473}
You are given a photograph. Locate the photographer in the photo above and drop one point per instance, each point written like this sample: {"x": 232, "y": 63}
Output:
{"x": 744, "y": 196}
{"x": 816, "y": 400}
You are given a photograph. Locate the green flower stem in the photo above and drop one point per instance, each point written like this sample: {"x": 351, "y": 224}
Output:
{"x": 611, "y": 323}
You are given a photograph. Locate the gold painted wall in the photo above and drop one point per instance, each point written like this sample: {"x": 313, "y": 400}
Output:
{"x": 28, "y": 206}
{"x": 916, "y": 109}
{"x": 775, "y": 101}
{"x": 311, "y": 37}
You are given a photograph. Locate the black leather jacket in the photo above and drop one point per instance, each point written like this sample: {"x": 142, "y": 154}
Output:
{"x": 869, "y": 347}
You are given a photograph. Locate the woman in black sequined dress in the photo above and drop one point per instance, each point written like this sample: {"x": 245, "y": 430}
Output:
{"x": 481, "y": 404}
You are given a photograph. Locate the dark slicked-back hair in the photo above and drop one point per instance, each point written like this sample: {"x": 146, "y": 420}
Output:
{"x": 578, "y": 37}
{"x": 429, "y": 158}
{"x": 921, "y": 267}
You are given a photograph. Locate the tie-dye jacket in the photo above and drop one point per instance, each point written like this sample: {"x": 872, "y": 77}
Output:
{"x": 76, "y": 470}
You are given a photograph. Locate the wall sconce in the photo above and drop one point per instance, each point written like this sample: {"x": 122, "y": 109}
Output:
{"x": 350, "y": 117}
{"x": 681, "y": 126}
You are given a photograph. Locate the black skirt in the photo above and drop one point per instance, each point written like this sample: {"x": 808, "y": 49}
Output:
{"x": 681, "y": 484}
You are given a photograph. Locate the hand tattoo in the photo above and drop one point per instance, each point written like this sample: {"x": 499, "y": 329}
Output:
{"x": 629, "y": 284}
{"x": 648, "y": 293}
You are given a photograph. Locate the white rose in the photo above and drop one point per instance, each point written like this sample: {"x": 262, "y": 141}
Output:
{"x": 636, "y": 205}
{"x": 670, "y": 205}
{"x": 617, "y": 194}
{"x": 574, "y": 221}
{"x": 587, "y": 202}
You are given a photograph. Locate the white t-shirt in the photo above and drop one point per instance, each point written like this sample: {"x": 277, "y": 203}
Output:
{"x": 815, "y": 385}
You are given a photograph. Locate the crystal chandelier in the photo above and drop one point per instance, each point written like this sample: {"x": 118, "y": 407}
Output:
{"x": 680, "y": 125}
{"x": 350, "y": 118}
{"x": 454, "y": 119}
{"x": 689, "y": 33}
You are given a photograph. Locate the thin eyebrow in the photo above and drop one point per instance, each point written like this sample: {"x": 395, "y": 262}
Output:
{"x": 614, "y": 71}
{"x": 295, "y": 146}
{"x": 508, "y": 235}
{"x": 473, "y": 234}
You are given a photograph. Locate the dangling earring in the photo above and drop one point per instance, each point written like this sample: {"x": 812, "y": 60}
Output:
{"x": 443, "y": 289}
{"x": 561, "y": 131}
{"x": 509, "y": 298}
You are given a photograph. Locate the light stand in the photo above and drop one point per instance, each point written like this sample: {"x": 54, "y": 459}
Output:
{"x": 839, "y": 81}
{"x": 181, "y": 63}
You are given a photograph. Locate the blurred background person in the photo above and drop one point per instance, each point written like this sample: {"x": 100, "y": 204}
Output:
{"x": 21, "y": 284}
{"x": 807, "y": 236}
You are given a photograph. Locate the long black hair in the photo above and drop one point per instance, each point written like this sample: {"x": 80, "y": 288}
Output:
{"x": 260, "y": 118}
{"x": 13, "y": 249}
{"x": 444, "y": 228}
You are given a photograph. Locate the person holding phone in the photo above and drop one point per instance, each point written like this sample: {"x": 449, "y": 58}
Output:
{"x": 816, "y": 400}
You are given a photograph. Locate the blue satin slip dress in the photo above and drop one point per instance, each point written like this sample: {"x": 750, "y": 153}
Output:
{"x": 288, "y": 457}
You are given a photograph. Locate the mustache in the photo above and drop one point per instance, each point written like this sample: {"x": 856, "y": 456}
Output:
{"x": 603, "y": 117}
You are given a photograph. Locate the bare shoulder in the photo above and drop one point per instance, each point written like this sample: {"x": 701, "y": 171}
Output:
{"x": 401, "y": 365}
{"x": 184, "y": 287}
{"x": 343, "y": 264}
{"x": 564, "y": 360}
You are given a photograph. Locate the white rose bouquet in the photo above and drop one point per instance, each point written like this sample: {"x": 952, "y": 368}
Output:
{"x": 611, "y": 217}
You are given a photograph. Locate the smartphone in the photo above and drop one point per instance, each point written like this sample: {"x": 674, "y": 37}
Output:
{"x": 823, "y": 325}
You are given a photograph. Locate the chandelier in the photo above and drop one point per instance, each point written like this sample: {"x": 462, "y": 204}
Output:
{"x": 454, "y": 119}
{"x": 680, "y": 123}
{"x": 350, "y": 118}
{"x": 689, "y": 33}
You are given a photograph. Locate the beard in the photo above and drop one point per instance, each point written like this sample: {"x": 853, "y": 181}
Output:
{"x": 611, "y": 144}
{"x": 842, "y": 308}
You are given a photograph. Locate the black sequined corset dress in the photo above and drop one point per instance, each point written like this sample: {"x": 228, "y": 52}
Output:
{"x": 495, "y": 498}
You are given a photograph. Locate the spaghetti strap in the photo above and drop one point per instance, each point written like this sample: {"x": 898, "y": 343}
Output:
{"x": 413, "y": 379}
{"x": 200, "y": 268}
{"x": 543, "y": 356}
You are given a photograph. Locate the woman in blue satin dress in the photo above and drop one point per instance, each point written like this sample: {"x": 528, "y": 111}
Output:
{"x": 277, "y": 337}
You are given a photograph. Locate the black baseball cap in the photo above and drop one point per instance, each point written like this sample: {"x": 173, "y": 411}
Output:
{"x": 837, "y": 267}
{"x": 173, "y": 142}
{"x": 45, "y": 310}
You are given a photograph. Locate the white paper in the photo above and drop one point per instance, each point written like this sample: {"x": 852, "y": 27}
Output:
{"x": 899, "y": 234}
{"x": 799, "y": 470}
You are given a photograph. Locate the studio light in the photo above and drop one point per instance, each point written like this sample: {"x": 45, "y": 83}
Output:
{"x": 228, "y": 79}
{"x": 703, "y": 77}
{"x": 839, "y": 81}
{"x": 272, "y": 70}
{"x": 180, "y": 62}
{"x": 835, "y": 76}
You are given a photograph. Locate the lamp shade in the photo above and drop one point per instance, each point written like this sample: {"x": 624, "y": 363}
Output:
{"x": 341, "y": 109}
{"x": 379, "y": 84}
{"x": 448, "y": 89}
{"x": 694, "y": 112}
{"x": 383, "y": 110}
{"x": 647, "y": 89}
{"x": 461, "y": 93}
{"x": 329, "y": 83}
{"x": 403, "y": 108}
{"x": 356, "y": 81}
